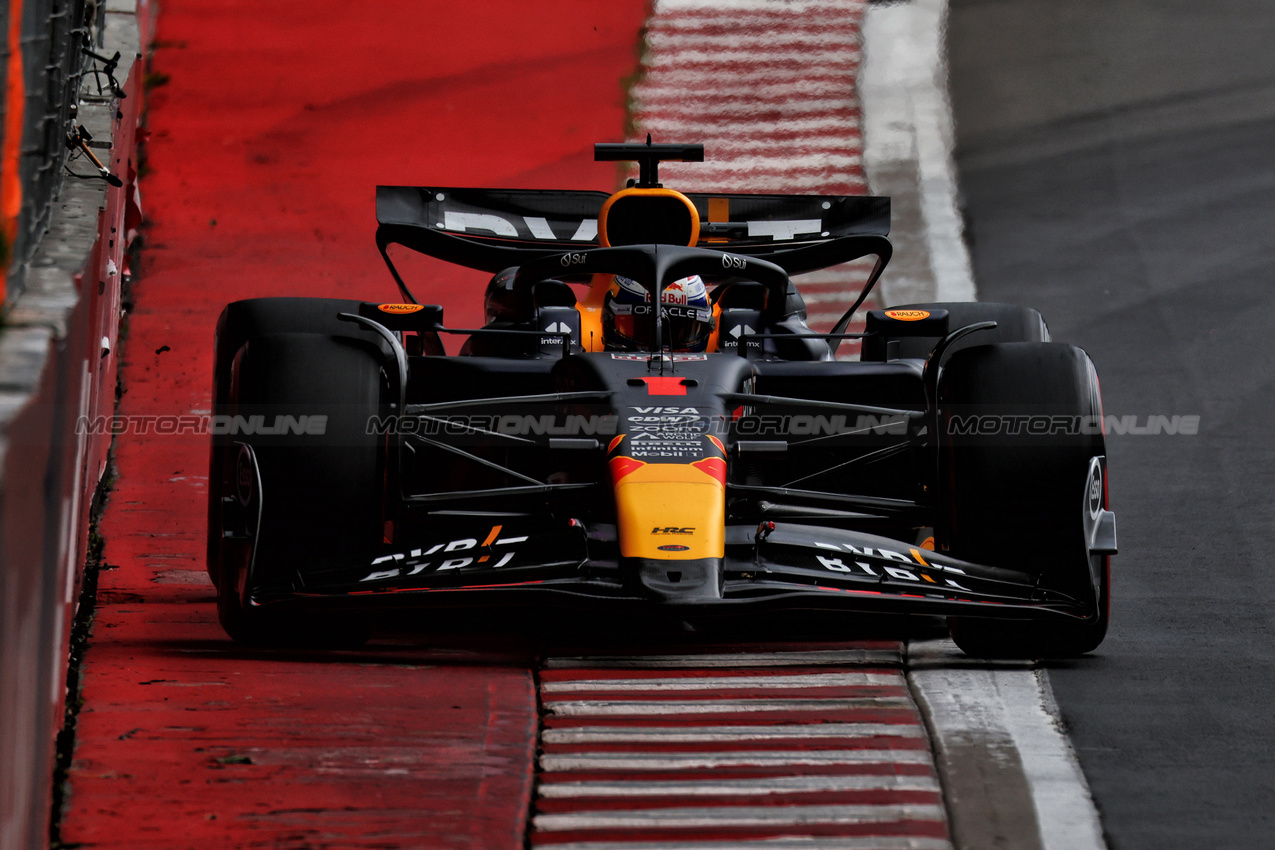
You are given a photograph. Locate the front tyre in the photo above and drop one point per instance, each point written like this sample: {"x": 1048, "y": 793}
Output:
{"x": 1021, "y": 457}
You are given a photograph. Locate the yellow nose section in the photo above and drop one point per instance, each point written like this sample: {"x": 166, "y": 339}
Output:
{"x": 670, "y": 511}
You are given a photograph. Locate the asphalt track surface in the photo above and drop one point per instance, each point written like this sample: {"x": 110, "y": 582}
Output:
{"x": 1117, "y": 169}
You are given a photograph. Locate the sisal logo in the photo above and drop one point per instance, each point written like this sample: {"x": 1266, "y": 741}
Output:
{"x": 672, "y": 530}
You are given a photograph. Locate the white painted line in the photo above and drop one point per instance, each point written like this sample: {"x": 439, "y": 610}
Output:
{"x": 832, "y": 277}
{"x": 736, "y": 787}
{"x": 966, "y": 702}
{"x": 760, "y": 38}
{"x": 708, "y": 734}
{"x": 706, "y": 683}
{"x": 554, "y": 762}
{"x": 838, "y": 59}
{"x": 817, "y": 163}
{"x": 831, "y": 318}
{"x": 829, "y": 88}
{"x": 771, "y": 138}
{"x": 830, "y": 298}
{"x": 776, "y": 18}
{"x": 673, "y": 7}
{"x": 768, "y": 147}
{"x": 719, "y": 20}
{"x": 647, "y": 708}
{"x": 664, "y": 84}
{"x": 907, "y": 118}
{"x": 866, "y": 842}
{"x": 738, "y": 816}
{"x": 750, "y": 112}
{"x": 741, "y": 182}
{"x": 779, "y": 658}
{"x": 1064, "y": 806}
{"x": 703, "y": 128}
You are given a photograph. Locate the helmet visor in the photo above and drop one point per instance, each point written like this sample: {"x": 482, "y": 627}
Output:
{"x": 684, "y": 328}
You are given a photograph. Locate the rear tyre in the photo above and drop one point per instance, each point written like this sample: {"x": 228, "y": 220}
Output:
{"x": 1022, "y": 495}
{"x": 295, "y": 504}
{"x": 1013, "y": 324}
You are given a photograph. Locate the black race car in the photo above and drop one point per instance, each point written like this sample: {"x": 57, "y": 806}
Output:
{"x": 646, "y": 422}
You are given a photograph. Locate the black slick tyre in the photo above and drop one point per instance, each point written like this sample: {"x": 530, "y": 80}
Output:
{"x": 1018, "y": 495}
{"x": 297, "y": 485}
{"x": 240, "y": 322}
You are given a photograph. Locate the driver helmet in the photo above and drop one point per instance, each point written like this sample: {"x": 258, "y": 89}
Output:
{"x": 501, "y": 302}
{"x": 628, "y": 323}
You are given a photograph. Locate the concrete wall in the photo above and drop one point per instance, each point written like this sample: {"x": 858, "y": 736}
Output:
{"x": 58, "y": 362}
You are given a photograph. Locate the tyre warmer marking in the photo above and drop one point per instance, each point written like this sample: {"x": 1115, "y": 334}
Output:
{"x": 812, "y": 746}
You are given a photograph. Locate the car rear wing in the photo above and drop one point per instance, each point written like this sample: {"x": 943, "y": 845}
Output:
{"x": 493, "y": 229}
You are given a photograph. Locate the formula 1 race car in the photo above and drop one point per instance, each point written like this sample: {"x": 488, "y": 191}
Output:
{"x": 646, "y": 423}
